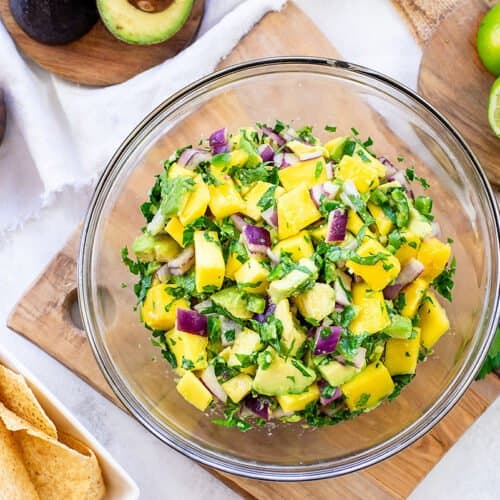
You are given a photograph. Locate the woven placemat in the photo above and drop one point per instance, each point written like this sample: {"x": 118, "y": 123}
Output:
{"x": 424, "y": 16}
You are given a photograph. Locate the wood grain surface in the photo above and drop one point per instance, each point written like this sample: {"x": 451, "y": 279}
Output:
{"x": 43, "y": 315}
{"x": 98, "y": 58}
{"x": 3, "y": 116}
{"x": 455, "y": 81}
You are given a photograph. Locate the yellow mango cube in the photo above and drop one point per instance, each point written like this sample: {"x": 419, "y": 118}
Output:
{"x": 246, "y": 343}
{"x": 355, "y": 223}
{"x": 178, "y": 171}
{"x": 233, "y": 265}
{"x": 298, "y": 402}
{"x": 309, "y": 172}
{"x": 380, "y": 274}
{"x": 414, "y": 293}
{"x": 298, "y": 246}
{"x": 319, "y": 233}
{"x": 252, "y": 272}
{"x": 384, "y": 224}
{"x": 401, "y": 355}
{"x": 409, "y": 249}
{"x": 175, "y": 229}
{"x": 238, "y": 158}
{"x": 434, "y": 255}
{"x": 367, "y": 158}
{"x": 296, "y": 210}
{"x": 160, "y": 308}
{"x": 209, "y": 261}
{"x": 372, "y": 316}
{"x": 367, "y": 389}
{"x": 299, "y": 148}
{"x": 316, "y": 303}
{"x": 190, "y": 350}
{"x": 433, "y": 321}
{"x": 364, "y": 176}
{"x": 197, "y": 202}
{"x": 191, "y": 388}
{"x": 255, "y": 194}
{"x": 335, "y": 147}
{"x": 238, "y": 387}
{"x": 224, "y": 197}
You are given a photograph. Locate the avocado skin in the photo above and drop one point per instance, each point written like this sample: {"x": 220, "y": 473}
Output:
{"x": 3, "y": 116}
{"x": 54, "y": 22}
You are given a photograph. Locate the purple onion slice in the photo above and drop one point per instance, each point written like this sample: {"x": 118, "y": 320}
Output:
{"x": 273, "y": 136}
{"x": 209, "y": 378}
{"x": 257, "y": 239}
{"x": 238, "y": 221}
{"x": 266, "y": 152}
{"x": 270, "y": 215}
{"x": 410, "y": 272}
{"x": 218, "y": 141}
{"x": 191, "y": 322}
{"x": 326, "y": 339}
{"x": 337, "y": 393}
{"x": 337, "y": 223}
{"x": 259, "y": 406}
{"x": 183, "y": 262}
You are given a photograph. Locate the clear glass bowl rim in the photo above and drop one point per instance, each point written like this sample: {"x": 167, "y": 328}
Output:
{"x": 219, "y": 461}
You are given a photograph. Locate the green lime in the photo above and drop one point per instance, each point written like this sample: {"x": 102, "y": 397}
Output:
{"x": 488, "y": 40}
{"x": 494, "y": 107}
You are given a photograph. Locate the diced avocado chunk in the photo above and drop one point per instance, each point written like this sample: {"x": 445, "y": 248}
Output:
{"x": 253, "y": 157}
{"x": 400, "y": 327}
{"x": 256, "y": 304}
{"x": 336, "y": 373}
{"x": 160, "y": 247}
{"x": 246, "y": 344}
{"x": 294, "y": 281}
{"x": 282, "y": 376}
{"x": 317, "y": 303}
{"x": 234, "y": 301}
{"x": 292, "y": 337}
{"x": 335, "y": 148}
{"x": 419, "y": 225}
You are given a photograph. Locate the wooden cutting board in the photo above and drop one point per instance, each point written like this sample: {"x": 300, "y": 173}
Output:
{"x": 44, "y": 315}
{"x": 98, "y": 58}
{"x": 455, "y": 81}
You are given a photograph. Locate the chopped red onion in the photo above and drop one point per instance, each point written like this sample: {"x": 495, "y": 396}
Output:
{"x": 257, "y": 239}
{"x": 259, "y": 406}
{"x": 283, "y": 160}
{"x": 191, "y": 322}
{"x": 316, "y": 193}
{"x": 273, "y": 257}
{"x": 201, "y": 306}
{"x": 183, "y": 262}
{"x": 218, "y": 141}
{"x": 326, "y": 345}
{"x": 400, "y": 177}
{"x": 337, "y": 223}
{"x": 269, "y": 310}
{"x": 186, "y": 156}
{"x": 163, "y": 274}
{"x": 339, "y": 307}
{"x": 330, "y": 189}
{"x": 266, "y": 152}
{"x": 310, "y": 155}
{"x": 209, "y": 378}
{"x": 337, "y": 393}
{"x": 270, "y": 215}
{"x": 191, "y": 158}
{"x": 410, "y": 272}
{"x": 329, "y": 170}
{"x": 358, "y": 361}
{"x": 390, "y": 169}
{"x": 340, "y": 295}
{"x": 290, "y": 134}
{"x": 273, "y": 136}
{"x": 436, "y": 230}
{"x": 239, "y": 222}
{"x": 157, "y": 223}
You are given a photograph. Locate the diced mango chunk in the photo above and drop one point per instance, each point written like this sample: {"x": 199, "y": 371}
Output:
{"x": 409, "y": 249}
{"x": 296, "y": 210}
{"x": 253, "y": 197}
{"x": 247, "y": 342}
{"x": 190, "y": 350}
{"x": 224, "y": 197}
{"x": 355, "y": 223}
{"x": 309, "y": 172}
{"x": 367, "y": 389}
{"x": 160, "y": 308}
{"x": 238, "y": 158}
{"x": 434, "y": 255}
{"x": 298, "y": 246}
{"x": 319, "y": 233}
{"x": 401, "y": 355}
{"x": 384, "y": 224}
{"x": 178, "y": 171}
{"x": 300, "y": 148}
{"x": 367, "y": 158}
{"x": 209, "y": 261}
{"x": 233, "y": 264}
{"x": 372, "y": 313}
{"x": 238, "y": 387}
{"x": 175, "y": 229}
{"x": 382, "y": 272}
{"x": 191, "y": 388}
{"x": 364, "y": 176}
{"x": 197, "y": 202}
{"x": 298, "y": 402}
{"x": 413, "y": 293}
{"x": 335, "y": 147}
{"x": 433, "y": 321}
{"x": 317, "y": 303}
{"x": 252, "y": 275}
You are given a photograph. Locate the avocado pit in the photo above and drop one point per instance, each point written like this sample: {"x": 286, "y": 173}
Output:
{"x": 151, "y": 6}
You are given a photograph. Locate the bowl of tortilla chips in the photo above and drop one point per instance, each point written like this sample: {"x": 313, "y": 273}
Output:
{"x": 45, "y": 454}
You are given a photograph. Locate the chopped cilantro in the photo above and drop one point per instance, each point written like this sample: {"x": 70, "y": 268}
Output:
{"x": 444, "y": 283}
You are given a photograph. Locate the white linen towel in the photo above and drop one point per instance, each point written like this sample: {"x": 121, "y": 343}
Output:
{"x": 60, "y": 135}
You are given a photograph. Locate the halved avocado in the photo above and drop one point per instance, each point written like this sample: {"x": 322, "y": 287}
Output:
{"x": 54, "y": 22}
{"x": 133, "y": 25}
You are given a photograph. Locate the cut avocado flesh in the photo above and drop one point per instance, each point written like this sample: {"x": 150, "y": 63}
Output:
{"x": 283, "y": 377}
{"x": 234, "y": 301}
{"x": 336, "y": 373}
{"x": 132, "y": 25}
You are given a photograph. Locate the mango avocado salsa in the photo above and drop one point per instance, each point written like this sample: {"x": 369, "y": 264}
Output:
{"x": 287, "y": 279}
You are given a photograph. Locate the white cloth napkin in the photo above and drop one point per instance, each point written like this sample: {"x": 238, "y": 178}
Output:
{"x": 60, "y": 135}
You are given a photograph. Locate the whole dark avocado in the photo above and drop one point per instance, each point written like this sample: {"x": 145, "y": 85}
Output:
{"x": 55, "y": 22}
{"x": 3, "y": 116}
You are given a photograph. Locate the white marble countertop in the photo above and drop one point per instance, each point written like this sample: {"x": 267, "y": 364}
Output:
{"x": 368, "y": 32}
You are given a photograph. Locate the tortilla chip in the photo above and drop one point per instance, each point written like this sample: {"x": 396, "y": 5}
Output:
{"x": 16, "y": 395}
{"x": 15, "y": 482}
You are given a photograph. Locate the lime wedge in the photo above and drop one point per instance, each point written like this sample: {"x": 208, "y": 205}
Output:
{"x": 494, "y": 107}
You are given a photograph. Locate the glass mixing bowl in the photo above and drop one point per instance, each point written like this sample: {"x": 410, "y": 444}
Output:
{"x": 312, "y": 91}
